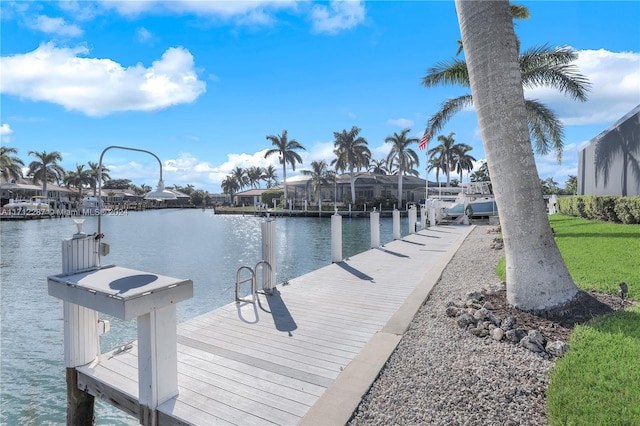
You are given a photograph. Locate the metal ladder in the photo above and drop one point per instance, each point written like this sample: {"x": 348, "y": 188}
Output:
{"x": 253, "y": 296}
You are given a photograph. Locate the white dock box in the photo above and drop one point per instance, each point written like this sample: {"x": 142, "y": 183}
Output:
{"x": 120, "y": 292}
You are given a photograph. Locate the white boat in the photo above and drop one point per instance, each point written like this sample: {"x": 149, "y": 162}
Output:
{"x": 475, "y": 201}
{"x": 35, "y": 205}
{"x": 92, "y": 206}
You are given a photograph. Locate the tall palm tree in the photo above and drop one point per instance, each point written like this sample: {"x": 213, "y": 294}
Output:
{"x": 537, "y": 278}
{"x": 401, "y": 156}
{"x": 517, "y": 12}
{"x": 254, "y": 175}
{"x": 320, "y": 175}
{"x": 621, "y": 142}
{"x": 46, "y": 167}
{"x": 270, "y": 176}
{"x": 10, "y": 165}
{"x": 93, "y": 173}
{"x": 240, "y": 176}
{"x": 434, "y": 164}
{"x": 379, "y": 167}
{"x": 286, "y": 151}
{"x": 230, "y": 185}
{"x": 539, "y": 66}
{"x": 78, "y": 178}
{"x": 445, "y": 154}
{"x": 462, "y": 159}
{"x": 351, "y": 153}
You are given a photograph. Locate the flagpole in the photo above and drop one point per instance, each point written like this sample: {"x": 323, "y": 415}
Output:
{"x": 423, "y": 145}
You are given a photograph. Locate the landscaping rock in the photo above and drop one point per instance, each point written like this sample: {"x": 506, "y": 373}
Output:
{"x": 557, "y": 348}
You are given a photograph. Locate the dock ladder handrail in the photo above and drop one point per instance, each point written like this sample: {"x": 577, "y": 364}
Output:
{"x": 251, "y": 298}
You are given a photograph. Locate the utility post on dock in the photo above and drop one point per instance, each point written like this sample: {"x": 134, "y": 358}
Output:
{"x": 81, "y": 337}
{"x": 86, "y": 289}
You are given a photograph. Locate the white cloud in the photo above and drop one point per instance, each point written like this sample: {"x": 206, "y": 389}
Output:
{"x": 615, "y": 88}
{"x": 143, "y": 35}
{"x": 5, "y": 131}
{"x": 338, "y": 16}
{"x": 244, "y": 12}
{"x": 403, "y": 123}
{"x": 100, "y": 86}
{"x": 56, "y": 26}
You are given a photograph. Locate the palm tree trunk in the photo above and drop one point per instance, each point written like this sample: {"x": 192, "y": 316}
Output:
{"x": 284, "y": 180}
{"x": 399, "y": 187}
{"x": 537, "y": 278}
{"x": 353, "y": 187}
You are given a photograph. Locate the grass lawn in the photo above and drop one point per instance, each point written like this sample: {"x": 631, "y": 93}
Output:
{"x": 599, "y": 255}
{"x": 598, "y": 381}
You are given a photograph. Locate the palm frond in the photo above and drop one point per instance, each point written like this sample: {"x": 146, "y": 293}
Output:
{"x": 452, "y": 72}
{"x": 545, "y": 129}
{"x": 554, "y": 67}
{"x": 448, "y": 109}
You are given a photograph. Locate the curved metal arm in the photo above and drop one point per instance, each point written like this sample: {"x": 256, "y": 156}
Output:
{"x": 100, "y": 176}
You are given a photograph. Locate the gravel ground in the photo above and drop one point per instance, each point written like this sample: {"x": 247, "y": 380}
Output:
{"x": 441, "y": 375}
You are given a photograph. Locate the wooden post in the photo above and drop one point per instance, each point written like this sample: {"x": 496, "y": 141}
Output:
{"x": 81, "y": 339}
{"x": 157, "y": 361}
{"x": 336, "y": 238}
{"x": 374, "y": 219}
{"x": 268, "y": 229}
{"x": 396, "y": 224}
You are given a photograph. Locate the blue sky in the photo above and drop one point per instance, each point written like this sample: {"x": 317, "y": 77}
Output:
{"x": 202, "y": 83}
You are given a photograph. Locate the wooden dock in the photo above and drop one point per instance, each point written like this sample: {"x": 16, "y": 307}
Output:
{"x": 304, "y": 355}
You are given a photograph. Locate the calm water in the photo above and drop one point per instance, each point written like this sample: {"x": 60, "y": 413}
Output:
{"x": 180, "y": 243}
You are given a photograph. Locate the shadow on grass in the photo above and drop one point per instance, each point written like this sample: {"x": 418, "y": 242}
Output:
{"x": 559, "y": 234}
{"x": 626, "y": 322}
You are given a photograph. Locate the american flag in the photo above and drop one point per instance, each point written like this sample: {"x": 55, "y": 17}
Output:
{"x": 424, "y": 140}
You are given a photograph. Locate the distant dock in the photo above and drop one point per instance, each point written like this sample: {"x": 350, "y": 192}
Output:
{"x": 304, "y": 355}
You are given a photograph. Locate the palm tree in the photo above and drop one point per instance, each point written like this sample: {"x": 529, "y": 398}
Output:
{"x": 619, "y": 142}
{"x": 445, "y": 154}
{"x": 45, "y": 167}
{"x": 270, "y": 176}
{"x": 517, "y": 12}
{"x": 462, "y": 159}
{"x": 10, "y": 165}
{"x": 571, "y": 185}
{"x": 240, "y": 175}
{"x": 540, "y": 66}
{"x": 254, "y": 175}
{"x": 351, "y": 153}
{"x": 230, "y": 185}
{"x": 379, "y": 167}
{"x": 401, "y": 156}
{"x": 320, "y": 175}
{"x": 482, "y": 174}
{"x": 78, "y": 178}
{"x": 537, "y": 278}
{"x": 434, "y": 164}
{"x": 93, "y": 174}
{"x": 286, "y": 151}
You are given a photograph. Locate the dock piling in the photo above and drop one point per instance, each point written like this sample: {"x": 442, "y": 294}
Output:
{"x": 81, "y": 337}
{"x": 336, "y": 238}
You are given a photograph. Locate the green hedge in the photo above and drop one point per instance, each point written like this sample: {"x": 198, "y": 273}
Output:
{"x": 605, "y": 208}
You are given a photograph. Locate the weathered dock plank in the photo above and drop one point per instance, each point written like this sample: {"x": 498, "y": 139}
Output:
{"x": 282, "y": 360}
